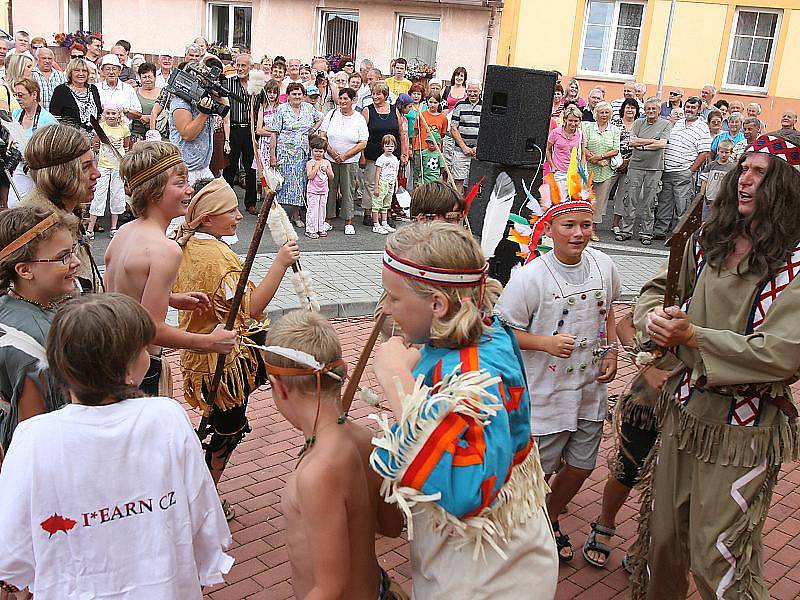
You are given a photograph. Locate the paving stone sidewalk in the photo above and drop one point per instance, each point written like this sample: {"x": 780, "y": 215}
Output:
{"x": 255, "y": 478}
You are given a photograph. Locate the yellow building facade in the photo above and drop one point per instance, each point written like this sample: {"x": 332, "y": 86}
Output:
{"x": 748, "y": 49}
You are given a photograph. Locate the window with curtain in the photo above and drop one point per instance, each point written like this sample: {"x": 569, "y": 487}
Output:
{"x": 86, "y": 15}
{"x": 752, "y": 48}
{"x": 230, "y": 24}
{"x": 611, "y": 36}
{"x": 338, "y": 32}
{"x": 418, "y": 39}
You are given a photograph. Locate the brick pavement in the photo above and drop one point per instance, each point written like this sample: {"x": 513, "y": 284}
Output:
{"x": 254, "y": 480}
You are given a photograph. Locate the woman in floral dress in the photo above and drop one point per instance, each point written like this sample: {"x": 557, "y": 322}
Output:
{"x": 291, "y": 125}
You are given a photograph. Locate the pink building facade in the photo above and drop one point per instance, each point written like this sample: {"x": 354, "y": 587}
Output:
{"x": 447, "y": 34}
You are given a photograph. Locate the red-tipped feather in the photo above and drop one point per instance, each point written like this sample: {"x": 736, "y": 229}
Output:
{"x": 473, "y": 191}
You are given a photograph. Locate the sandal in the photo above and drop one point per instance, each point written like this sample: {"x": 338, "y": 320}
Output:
{"x": 562, "y": 543}
{"x": 626, "y": 564}
{"x": 646, "y": 241}
{"x": 230, "y": 513}
{"x": 592, "y": 545}
{"x": 313, "y": 236}
{"x": 622, "y": 237}
{"x": 323, "y": 234}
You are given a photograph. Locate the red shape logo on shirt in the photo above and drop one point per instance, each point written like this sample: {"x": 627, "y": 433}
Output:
{"x": 57, "y": 523}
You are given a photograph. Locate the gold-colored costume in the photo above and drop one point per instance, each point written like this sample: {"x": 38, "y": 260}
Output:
{"x": 210, "y": 266}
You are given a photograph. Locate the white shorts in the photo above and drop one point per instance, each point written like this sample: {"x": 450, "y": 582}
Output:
{"x": 110, "y": 188}
{"x": 461, "y": 164}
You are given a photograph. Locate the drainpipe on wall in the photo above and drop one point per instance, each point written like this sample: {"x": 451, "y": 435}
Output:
{"x": 666, "y": 49}
{"x": 490, "y": 32}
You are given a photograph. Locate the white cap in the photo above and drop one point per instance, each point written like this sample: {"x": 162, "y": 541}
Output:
{"x": 110, "y": 59}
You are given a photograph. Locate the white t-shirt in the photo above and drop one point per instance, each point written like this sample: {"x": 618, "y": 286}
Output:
{"x": 111, "y": 502}
{"x": 344, "y": 132}
{"x": 389, "y": 166}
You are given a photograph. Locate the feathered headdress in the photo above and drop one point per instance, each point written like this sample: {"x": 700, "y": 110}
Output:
{"x": 528, "y": 234}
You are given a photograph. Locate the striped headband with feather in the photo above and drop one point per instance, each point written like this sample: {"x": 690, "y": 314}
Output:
{"x": 434, "y": 275}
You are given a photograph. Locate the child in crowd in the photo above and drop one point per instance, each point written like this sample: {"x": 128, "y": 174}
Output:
{"x": 712, "y": 176}
{"x": 37, "y": 268}
{"x": 143, "y": 263}
{"x": 110, "y": 189}
{"x": 208, "y": 265}
{"x": 432, "y": 161}
{"x": 332, "y": 501}
{"x": 430, "y": 119}
{"x": 637, "y": 430}
{"x": 319, "y": 172}
{"x": 560, "y": 306}
{"x": 387, "y": 166}
{"x": 108, "y": 497}
{"x": 459, "y": 460}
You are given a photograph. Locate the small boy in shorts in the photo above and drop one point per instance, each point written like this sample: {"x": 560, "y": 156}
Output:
{"x": 332, "y": 501}
{"x": 560, "y": 306}
{"x": 712, "y": 176}
{"x": 386, "y": 167}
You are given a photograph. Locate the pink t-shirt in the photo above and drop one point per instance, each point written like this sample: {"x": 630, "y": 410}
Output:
{"x": 562, "y": 147}
{"x": 319, "y": 184}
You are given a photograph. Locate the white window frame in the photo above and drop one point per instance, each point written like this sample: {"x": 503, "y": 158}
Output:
{"x": 84, "y": 26}
{"x": 771, "y": 62}
{"x": 323, "y": 11}
{"x": 399, "y": 33}
{"x": 606, "y": 72}
{"x": 231, "y": 6}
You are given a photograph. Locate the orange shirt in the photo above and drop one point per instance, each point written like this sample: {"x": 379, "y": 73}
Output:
{"x": 438, "y": 122}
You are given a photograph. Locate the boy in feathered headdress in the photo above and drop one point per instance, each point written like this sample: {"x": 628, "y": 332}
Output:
{"x": 560, "y": 307}
{"x": 210, "y": 266}
{"x": 459, "y": 460}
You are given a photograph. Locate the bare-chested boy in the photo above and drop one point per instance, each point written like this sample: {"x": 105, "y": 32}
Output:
{"x": 143, "y": 263}
{"x": 331, "y": 502}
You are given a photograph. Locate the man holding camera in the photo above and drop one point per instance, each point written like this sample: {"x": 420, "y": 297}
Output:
{"x": 191, "y": 129}
{"x": 238, "y": 142}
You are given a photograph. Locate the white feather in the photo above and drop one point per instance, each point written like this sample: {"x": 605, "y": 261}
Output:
{"x": 256, "y": 81}
{"x": 533, "y": 203}
{"x": 17, "y": 134}
{"x": 280, "y": 227}
{"x": 14, "y": 338}
{"x": 497, "y": 211}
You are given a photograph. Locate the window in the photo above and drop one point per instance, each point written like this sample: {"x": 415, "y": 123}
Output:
{"x": 752, "y": 49}
{"x": 611, "y": 37}
{"x": 84, "y": 15}
{"x": 418, "y": 39}
{"x": 230, "y": 24}
{"x": 338, "y": 32}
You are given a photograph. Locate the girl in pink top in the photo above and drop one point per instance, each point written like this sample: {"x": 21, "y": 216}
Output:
{"x": 319, "y": 171}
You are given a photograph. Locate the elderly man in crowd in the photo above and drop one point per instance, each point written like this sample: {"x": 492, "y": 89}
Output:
{"x": 165, "y": 65}
{"x": 675, "y": 101}
{"x": 465, "y": 120}
{"x": 707, "y": 96}
{"x": 193, "y": 53}
{"x": 751, "y": 127}
{"x": 22, "y": 43}
{"x": 238, "y": 143}
{"x": 203, "y": 44}
{"x": 126, "y": 73}
{"x": 292, "y": 72}
{"x": 112, "y": 90}
{"x": 3, "y": 54}
{"x": 648, "y": 140}
{"x": 688, "y": 146}
{"x": 46, "y": 76}
{"x": 595, "y": 96}
{"x": 789, "y": 120}
{"x": 628, "y": 91}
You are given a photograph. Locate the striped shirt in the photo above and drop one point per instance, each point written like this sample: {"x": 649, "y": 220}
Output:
{"x": 240, "y": 112}
{"x": 685, "y": 143}
{"x": 466, "y": 118}
{"x": 47, "y": 85}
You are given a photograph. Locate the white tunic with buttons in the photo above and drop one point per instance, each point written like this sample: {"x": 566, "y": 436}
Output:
{"x": 548, "y": 297}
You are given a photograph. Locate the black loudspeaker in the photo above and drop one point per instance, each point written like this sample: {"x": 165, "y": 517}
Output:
{"x": 505, "y": 256}
{"x": 515, "y": 119}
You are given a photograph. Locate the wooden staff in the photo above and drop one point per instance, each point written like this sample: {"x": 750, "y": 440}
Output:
{"x": 358, "y": 371}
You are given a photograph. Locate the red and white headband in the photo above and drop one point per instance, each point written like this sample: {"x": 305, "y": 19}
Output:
{"x": 777, "y": 146}
{"x": 433, "y": 275}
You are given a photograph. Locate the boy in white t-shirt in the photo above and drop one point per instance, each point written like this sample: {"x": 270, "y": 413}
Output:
{"x": 108, "y": 497}
{"x": 386, "y": 167}
{"x": 110, "y": 188}
{"x": 560, "y": 306}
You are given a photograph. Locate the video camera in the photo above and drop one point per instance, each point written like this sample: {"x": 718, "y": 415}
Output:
{"x": 197, "y": 81}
